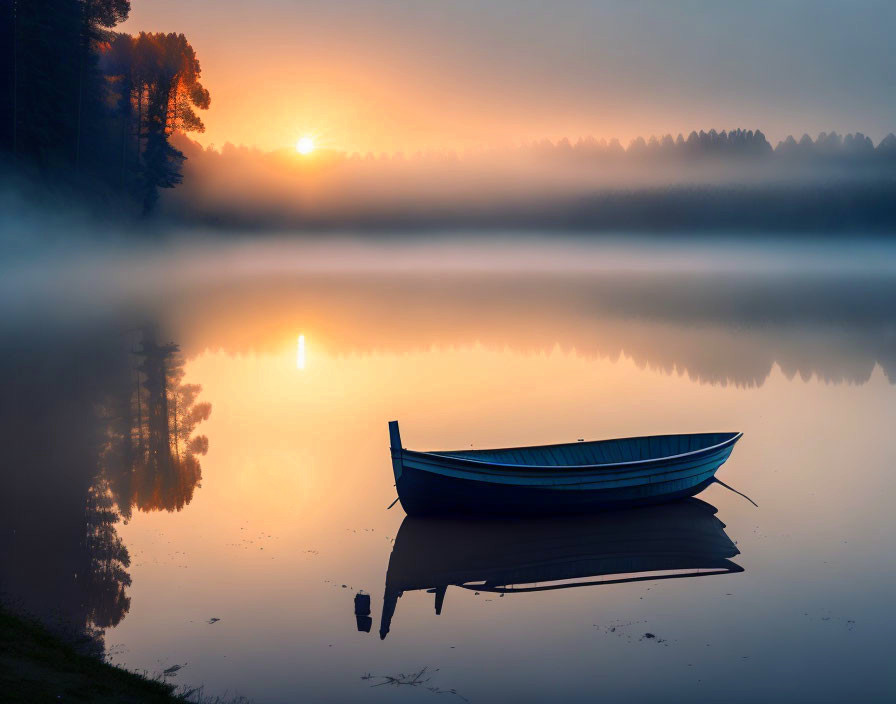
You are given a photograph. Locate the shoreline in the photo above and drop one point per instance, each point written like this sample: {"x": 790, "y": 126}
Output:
{"x": 37, "y": 666}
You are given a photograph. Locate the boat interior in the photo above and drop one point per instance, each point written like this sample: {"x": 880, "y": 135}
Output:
{"x": 596, "y": 452}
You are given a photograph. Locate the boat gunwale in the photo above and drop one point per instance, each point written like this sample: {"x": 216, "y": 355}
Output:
{"x": 647, "y": 576}
{"x": 552, "y": 467}
{"x": 631, "y": 480}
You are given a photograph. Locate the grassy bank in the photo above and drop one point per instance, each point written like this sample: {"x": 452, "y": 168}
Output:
{"x": 36, "y": 666}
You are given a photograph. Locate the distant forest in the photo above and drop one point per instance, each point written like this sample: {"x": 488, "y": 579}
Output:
{"x": 705, "y": 182}
{"x": 98, "y": 118}
{"x": 88, "y": 111}
{"x": 734, "y": 143}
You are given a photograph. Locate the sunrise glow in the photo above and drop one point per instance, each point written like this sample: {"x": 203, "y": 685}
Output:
{"x": 305, "y": 145}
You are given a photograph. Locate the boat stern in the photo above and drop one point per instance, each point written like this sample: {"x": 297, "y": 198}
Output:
{"x": 395, "y": 448}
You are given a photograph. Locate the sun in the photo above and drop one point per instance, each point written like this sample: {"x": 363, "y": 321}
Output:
{"x": 305, "y": 145}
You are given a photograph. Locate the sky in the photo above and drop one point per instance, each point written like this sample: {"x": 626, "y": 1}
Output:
{"x": 415, "y": 75}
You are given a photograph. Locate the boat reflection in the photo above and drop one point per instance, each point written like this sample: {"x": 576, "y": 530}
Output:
{"x": 670, "y": 541}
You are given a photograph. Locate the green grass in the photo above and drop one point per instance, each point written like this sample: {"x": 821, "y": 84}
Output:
{"x": 36, "y": 666}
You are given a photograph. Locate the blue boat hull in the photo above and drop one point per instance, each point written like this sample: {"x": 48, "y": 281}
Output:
{"x": 423, "y": 494}
{"x": 440, "y": 483}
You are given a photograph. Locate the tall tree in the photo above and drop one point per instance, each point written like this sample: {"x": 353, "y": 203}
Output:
{"x": 8, "y": 74}
{"x": 97, "y": 18}
{"x": 45, "y": 45}
{"x": 89, "y": 108}
{"x": 166, "y": 74}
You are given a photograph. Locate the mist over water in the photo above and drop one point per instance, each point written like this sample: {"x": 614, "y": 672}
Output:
{"x": 238, "y": 243}
{"x": 731, "y": 310}
{"x": 221, "y": 531}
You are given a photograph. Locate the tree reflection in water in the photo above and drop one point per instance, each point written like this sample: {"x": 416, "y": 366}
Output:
{"x": 150, "y": 459}
{"x": 91, "y": 427}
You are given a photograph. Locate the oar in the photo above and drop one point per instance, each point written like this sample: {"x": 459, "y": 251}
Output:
{"x": 719, "y": 481}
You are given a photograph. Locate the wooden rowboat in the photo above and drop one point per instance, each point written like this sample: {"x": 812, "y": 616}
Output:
{"x": 520, "y": 555}
{"x": 577, "y": 477}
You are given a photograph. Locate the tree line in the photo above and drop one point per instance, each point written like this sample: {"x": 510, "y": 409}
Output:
{"x": 724, "y": 144}
{"x": 93, "y": 109}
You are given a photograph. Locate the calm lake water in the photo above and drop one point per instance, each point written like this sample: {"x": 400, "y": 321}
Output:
{"x": 228, "y": 529}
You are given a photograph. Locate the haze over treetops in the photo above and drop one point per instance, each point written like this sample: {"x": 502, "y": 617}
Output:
{"x": 390, "y": 76}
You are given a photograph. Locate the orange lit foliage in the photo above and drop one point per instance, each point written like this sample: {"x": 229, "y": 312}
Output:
{"x": 160, "y": 74}
{"x": 152, "y": 461}
{"x": 153, "y": 79}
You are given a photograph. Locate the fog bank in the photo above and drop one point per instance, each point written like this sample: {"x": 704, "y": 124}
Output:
{"x": 728, "y": 180}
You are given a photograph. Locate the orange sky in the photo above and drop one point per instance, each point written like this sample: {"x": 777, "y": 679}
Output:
{"x": 390, "y": 76}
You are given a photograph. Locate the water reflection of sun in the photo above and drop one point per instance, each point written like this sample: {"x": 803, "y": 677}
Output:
{"x": 300, "y": 353}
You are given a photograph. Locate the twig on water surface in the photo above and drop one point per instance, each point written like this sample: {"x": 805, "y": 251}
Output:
{"x": 414, "y": 679}
{"x": 196, "y": 695}
{"x": 453, "y": 691}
